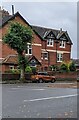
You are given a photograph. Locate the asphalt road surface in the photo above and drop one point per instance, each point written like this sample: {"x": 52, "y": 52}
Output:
{"x": 38, "y": 101}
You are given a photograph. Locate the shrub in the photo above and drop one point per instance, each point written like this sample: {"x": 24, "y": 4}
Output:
{"x": 14, "y": 71}
{"x": 34, "y": 69}
{"x": 28, "y": 69}
{"x": 72, "y": 66}
{"x": 64, "y": 67}
{"x": 54, "y": 68}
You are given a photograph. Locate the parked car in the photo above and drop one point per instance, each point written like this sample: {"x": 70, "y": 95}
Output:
{"x": 43, "y": 77}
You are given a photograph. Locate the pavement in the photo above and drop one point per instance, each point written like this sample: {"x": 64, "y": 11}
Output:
{"x": 57, "y": 84}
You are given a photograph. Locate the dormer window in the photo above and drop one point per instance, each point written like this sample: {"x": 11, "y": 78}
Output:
{"x": 50, "y": 42}
{"x": 62, "y": 44}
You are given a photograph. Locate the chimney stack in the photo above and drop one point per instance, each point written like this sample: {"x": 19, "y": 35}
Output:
{"x": 12, "y": 9}
{"x": 60, "y": 30}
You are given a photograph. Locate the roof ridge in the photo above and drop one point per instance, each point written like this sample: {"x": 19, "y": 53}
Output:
{"x": 48, "y": 28}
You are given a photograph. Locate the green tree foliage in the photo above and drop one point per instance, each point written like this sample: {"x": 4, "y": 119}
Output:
{"x": 17, "y": 38}
{"x": 28, "y": 69}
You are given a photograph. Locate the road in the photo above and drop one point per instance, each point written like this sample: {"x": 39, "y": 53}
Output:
{"x": 36, "y": 100}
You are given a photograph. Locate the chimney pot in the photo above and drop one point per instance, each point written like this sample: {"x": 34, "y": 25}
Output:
{"x": 60, "y": 29}
{"x": 12, "y": 9}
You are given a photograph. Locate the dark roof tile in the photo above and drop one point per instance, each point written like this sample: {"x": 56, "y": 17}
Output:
{"x": 40, "y": 31}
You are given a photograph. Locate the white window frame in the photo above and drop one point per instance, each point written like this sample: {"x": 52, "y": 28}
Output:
{"x": 43, "y": 55}
{"x": 29, "y": 48}
{"x": 62, "y": 44}
{"x": 59, "y": 57}
{"x": 50, "y": 41}
{"x": 11, "y": 67}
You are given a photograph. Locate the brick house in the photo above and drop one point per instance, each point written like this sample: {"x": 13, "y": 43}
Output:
{"x": 49, "y": 46}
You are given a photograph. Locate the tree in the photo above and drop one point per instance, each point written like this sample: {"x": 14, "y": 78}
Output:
{"x": 17, "y": 38}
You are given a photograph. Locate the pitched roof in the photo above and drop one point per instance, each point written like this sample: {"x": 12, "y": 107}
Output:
{"x": 13, "y": 59}
{"x": 6, "y": 18}
{"x": 43, "y": 32}
{"x": 40, "y": 31}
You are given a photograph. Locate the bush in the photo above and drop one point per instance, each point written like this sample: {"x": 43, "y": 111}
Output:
{"x": 14, "y": 71}
{"x": 72, "y": 66}
{"x": 64, "y": 67}
{"x": 34, "y": 69}
{"x": 28, "y": 69}
{"x": 54, "y": 68}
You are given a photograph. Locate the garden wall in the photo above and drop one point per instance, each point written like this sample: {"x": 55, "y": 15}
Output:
{"x": 58, "y": 75}
{"x": 9, "y": 76}
{"x": 66, "y": 76}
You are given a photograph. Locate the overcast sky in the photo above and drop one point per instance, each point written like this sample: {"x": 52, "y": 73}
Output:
{"x": 54, "y": 15}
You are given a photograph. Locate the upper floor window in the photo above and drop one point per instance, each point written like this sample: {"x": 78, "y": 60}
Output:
{"x": 50, "y": 42}
{"x": 59, "y": 57}
{"x": 29, "y": 49}
{"x": 62, "y": 44}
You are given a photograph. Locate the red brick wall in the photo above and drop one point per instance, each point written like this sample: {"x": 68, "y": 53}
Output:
{"x": 66, "y": 57}
{"x": 72, "y": 75}
{"x": 36, "y": 49}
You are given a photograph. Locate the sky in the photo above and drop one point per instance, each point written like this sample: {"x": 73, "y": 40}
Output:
{"x": 53, "y": 15}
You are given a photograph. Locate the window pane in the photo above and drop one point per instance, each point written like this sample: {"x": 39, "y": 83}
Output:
{"x": 30, "y": 46}
{"x": 30, "y": 51}
{"x": 50, "y": 42}
{"x": 46, "y": 55}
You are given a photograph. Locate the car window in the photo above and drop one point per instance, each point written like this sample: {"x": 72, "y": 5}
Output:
{"x": 42, "y": 73}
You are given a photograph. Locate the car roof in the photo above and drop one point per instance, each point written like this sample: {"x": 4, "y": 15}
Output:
{"x": 42, "y": 72}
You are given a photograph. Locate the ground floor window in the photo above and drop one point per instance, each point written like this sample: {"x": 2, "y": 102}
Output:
{"x": 11, "y": 67}
{"x": 44, "y": 55}
{"x": 59, "y": 57}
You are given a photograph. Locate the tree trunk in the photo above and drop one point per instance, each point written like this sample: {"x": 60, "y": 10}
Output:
{"x": 22, "y": 67}
{"x": 22, "y": 75}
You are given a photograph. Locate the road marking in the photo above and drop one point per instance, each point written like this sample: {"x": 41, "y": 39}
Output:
{"x": 40, "y": 99}
{"x": 37, "y": 89}
{"x": 25, "y": 88}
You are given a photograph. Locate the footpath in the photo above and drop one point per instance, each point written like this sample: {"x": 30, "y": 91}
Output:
{"x": 65, "y": 85}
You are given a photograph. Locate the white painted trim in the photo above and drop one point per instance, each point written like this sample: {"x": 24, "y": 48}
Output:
{"x": 36, "y": 44}
{"x": 59, "y": 61}
{"x": 61, "y": 46}
{"x": 51, "y": 50}
{"x": 2, "y": 58}
{"x": 39, "y": 60}
{"x": 63, "y": 52}
{"x": 49, "y": 45}
{"x": 58, "y": 51}
{"x": 44, "y": 52}
{"x": 0, "y": 39}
